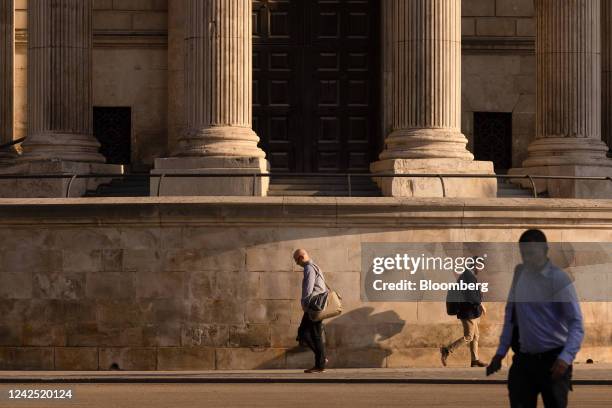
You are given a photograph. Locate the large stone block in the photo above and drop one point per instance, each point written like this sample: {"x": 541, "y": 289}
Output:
{"x": 434, "y": 187}
{"x": 205, "y": 335}
{"x": 284, "y": 336}
{"x": 43, "y": 334}
{"x": 128, "y": 358}
{"x": 281, "y": 285}
{"x": 516, "y": 8}
{"x": 82, "y": 260}
{"x": 26, "y": 358}
{"x": 185, "y": 358}
{"x": 478, "y": 8}
{"x": 204, "y": 260}
{"x": 76, "y": 358}
{"x": 251, "y": 335}
{"x": 210, "y": 311}
{"x": 55, "y": 285}
{"x": 160, "y": 285}
{"x": 27, "y": 260}
{"x": 211, "y": 186}
{"x": 374, "y": 357}
{"x": 11, "y": 334}
{"x": 110, "y": 285}
{"x": 268, "y": 311}
{"x": 162, "y": 335}
{"x": 496, "y": 27}
{"x": 15, "y": 285}
{"x": 250, "y": 358}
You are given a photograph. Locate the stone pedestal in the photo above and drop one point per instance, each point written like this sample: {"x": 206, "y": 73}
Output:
{"x": 53, "y": 188}
{"x": 209, "y": 185}
{"x": 218, "y": 104}
{"x": 568, "y": 134}
{"x": 422, "y": 90}
{"x": 434, "y": 186}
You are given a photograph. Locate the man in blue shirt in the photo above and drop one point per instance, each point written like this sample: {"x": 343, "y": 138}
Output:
{"x": 543, "y": 325}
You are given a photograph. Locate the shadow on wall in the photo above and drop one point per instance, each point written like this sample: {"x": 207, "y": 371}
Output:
{"x": 352, "y": 340}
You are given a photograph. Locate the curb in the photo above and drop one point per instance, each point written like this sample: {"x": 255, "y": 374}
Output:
{"x": 226, "y": 380}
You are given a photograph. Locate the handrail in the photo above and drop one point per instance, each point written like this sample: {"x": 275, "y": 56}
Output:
{"x": 349, "y": 177}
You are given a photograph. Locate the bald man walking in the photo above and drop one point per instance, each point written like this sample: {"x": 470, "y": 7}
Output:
{"x": 311, "y": 333}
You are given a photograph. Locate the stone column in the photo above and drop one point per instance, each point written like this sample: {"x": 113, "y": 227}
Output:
{"x": 606, "y": 68}
{"x": 568, "y": 121}
{"x": 59, "y": 82}
{"x": 422, "y": 86}
{"x": 7, "y": 56}
{"x": 218, "y": 103}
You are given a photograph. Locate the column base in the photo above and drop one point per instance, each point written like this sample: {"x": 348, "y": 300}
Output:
{"x": 432, "y": 187}
{"x": 68, "y": 147}
{"x": 211, "y": 186}
{"x": 568, "y": 188}
{"x": 53, "y": 188}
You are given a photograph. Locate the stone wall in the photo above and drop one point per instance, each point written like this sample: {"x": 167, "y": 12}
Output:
{"x": 209, "y": 283}
{"x": 499, "y": 66}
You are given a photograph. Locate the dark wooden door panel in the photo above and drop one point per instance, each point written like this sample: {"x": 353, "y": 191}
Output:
{"x": 316, "y": 75}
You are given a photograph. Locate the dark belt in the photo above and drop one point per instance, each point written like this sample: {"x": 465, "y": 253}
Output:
{"x": 546, "y": 355}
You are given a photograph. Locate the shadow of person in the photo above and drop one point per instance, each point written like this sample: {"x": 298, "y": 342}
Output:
{"x": 352, "y": 340}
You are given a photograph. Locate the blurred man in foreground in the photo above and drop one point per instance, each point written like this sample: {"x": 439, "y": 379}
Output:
{"x": 543, "y": 325}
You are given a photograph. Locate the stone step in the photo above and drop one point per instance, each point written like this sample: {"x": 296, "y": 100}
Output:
{"x": 119, "y": 187}
{"x": 323, "y": 193}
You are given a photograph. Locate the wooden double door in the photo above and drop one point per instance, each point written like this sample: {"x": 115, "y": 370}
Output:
{"x": 316, "y": 83}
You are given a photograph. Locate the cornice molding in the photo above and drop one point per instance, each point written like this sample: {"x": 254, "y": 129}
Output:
{"x": 115, "y": 39}
{"x": 499, "y": 45}
{"x": 309, "y": 212}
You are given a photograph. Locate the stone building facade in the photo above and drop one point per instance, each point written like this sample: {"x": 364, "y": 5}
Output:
{"x": 180, "y": 85}
{"x": 316, "y": 88}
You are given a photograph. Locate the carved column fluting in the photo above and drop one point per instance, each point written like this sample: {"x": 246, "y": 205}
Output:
{"x": 7, "y": 57}
{"x": 422, "y": 68}
{"x": 606, "y": 68}
{"x": 59, "y": 82}
{"x": 218, "y": 80}
{"x": 568, "y": 52}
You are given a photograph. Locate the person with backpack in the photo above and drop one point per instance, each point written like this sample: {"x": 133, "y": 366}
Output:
{"x": 310, "y": 333}
{"x": 467, "y": 306}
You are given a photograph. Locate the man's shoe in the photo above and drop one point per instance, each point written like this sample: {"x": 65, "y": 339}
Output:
{"x": 478, "y": 363}
{"x": 444, "y": 355}
{"x": 314, "y": 370}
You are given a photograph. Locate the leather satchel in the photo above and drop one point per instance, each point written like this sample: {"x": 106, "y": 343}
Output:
{"x": 329, "y": 304}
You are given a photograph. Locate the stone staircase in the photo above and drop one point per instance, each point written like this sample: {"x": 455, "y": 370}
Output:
{"x": 138, "y": 186}
{"x": 322, "y": 187}
{"x": 135, "y": 186}
{"x": 505, "y": 189}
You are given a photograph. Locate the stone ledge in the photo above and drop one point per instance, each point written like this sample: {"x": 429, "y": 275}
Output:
{"x": 306, "y": 211}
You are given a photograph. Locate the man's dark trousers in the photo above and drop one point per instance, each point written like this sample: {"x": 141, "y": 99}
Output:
{"x": 530, "y": 375}
{"x": 311, "y": 334}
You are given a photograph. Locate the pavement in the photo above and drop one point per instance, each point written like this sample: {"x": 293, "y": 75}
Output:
{"x": 584, "y": 374}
